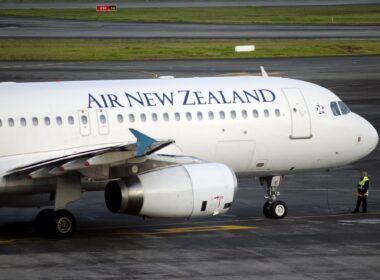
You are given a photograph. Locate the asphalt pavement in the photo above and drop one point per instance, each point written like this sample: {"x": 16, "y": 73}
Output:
{"x": 24, "y": 27}
{"x": 182, "y": 3}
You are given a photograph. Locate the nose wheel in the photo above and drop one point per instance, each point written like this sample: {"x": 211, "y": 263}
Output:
{"x": 273, "y": 208}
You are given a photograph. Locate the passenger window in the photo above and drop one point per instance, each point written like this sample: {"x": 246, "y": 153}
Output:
{"x": 11, "y": 122}
{"x": 343, "y": 107}
{"x": 199, "y": 116}
{"x": 84, "y": 120}
{"x": 58, "y": 120}
{"x": 233, "y": 114}
{"x": 70, "y": 120}
{"x": 222, "y": 115}
{"x": 244, "y": 114}
{"x": 211, "y": 115}
{"x": 47, "y": 121}
{"x": 120, "y": 118}
{"x": 166, "y": 117}
{"x": 102, "y": 119}
{"x": 143, "y": 117}
{"x": 277, "y": 113}
{"x": 131, "y": 118}
{"x": 188, "y": 116}
{"x": 255, "y": 114}
{"x": 23, "y": 122}
{"x": 335, "y": 109}
{"x": 154, "y": 117}
{"x": 35, "y": 121}
{"x": 177, "y": 116}
{"x": 266, "y": 113}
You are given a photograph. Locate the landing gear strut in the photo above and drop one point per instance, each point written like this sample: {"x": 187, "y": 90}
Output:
{"x": 55, "y": 224}
{"x": 60, "y": 223}
{"x": 273, "y": 208}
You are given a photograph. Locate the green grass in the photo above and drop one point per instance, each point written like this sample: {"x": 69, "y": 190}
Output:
{"x": 361, "y": 14}
{"x": 118, "y": 49}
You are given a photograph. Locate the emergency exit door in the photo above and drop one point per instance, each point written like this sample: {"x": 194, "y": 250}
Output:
{"x": 103, "y": 126}
{"x": 301, "y": 122}
{"x": 84, "y": 123}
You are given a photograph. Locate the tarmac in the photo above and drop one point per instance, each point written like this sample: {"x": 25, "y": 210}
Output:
{"x": 319, "y": 239}
{"x": 21, "y": 27}
{"x": 19, "y": 4}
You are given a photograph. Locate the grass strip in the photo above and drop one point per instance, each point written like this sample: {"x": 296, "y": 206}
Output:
{"x": 124, "y": 49}
{"x": 361, "y": 14}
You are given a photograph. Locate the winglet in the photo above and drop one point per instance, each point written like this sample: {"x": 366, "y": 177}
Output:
{"x": 263, "y": 72}
{"x": 143, "y": 141}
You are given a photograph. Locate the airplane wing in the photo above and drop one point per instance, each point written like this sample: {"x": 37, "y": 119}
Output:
{"x": 96, "y": 158}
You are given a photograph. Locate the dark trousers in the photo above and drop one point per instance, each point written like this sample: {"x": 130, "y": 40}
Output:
{"x": 361, "y": 200}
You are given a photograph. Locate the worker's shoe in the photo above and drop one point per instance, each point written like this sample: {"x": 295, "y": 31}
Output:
{"x": 355, "y": 211}
{"x": 363, "y": 212}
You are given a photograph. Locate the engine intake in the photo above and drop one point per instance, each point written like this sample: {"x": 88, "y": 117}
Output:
{"x": 192, "y": 190}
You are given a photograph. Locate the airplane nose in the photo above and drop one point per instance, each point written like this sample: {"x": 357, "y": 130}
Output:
{"x": 373, "y": 138}
{"x": 370, "y": 137}
{"x": 366, "y": 137}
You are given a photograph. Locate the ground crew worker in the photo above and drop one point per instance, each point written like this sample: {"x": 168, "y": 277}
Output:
{"x": 362, "y": 193}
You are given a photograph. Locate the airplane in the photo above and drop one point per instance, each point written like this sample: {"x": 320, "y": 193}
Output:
{"x": 167, "y": 148}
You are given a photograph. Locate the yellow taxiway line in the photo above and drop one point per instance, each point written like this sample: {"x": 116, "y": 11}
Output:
{"x": 5, "y": 242}
{"x": 176, "y": 230}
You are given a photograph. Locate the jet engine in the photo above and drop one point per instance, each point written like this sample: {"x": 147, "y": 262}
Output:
{"x": 183, "y": 191}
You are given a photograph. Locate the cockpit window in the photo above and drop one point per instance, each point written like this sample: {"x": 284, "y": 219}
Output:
{"x": 335, "y": 108}
{"x": 343, "y": 108}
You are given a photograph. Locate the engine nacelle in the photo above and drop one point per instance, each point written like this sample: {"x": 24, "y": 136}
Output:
{"x": 192, "y": 190}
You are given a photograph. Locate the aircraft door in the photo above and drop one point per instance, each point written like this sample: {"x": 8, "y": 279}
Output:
{"x": 84, "y": 123}
{"x": 103, "y": 124}
{"x": 301, "y": 122}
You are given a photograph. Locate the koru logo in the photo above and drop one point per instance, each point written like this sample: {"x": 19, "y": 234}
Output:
{"x": 320, "y": 109}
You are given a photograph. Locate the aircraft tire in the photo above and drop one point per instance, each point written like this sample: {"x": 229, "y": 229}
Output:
{"x": 41, "y": 223}
{"x": 279, "y": 209}
{"x": 267, "y": 210}
{"x": 62, "y": 224}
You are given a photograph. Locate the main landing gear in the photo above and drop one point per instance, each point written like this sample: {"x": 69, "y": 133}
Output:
{"x": 60, "y": 223}
{"x": 55, "y": 224}
{"x": 273, "y": 208}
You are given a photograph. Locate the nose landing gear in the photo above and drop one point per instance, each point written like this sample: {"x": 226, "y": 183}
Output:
{"x": 273, "y": 208}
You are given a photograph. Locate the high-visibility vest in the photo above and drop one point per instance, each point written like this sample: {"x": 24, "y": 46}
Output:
{"x": 362, "y": 183}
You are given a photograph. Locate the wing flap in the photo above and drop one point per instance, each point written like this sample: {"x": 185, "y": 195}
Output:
{"x": 100, "y": 157}
{"x": 109, "y": 158}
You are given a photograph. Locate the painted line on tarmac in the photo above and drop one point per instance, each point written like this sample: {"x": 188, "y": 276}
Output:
{"x": 204, "y": 229}
{"x": 227, "y": 220}
{"x": 179, "y": 230}
{"x": 6, "y": 242}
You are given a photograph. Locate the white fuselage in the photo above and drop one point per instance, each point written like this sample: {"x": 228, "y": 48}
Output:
{"x": 256, "y": 125}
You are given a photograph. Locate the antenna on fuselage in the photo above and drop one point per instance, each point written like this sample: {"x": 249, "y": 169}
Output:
{"x": 263, "y": 72}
